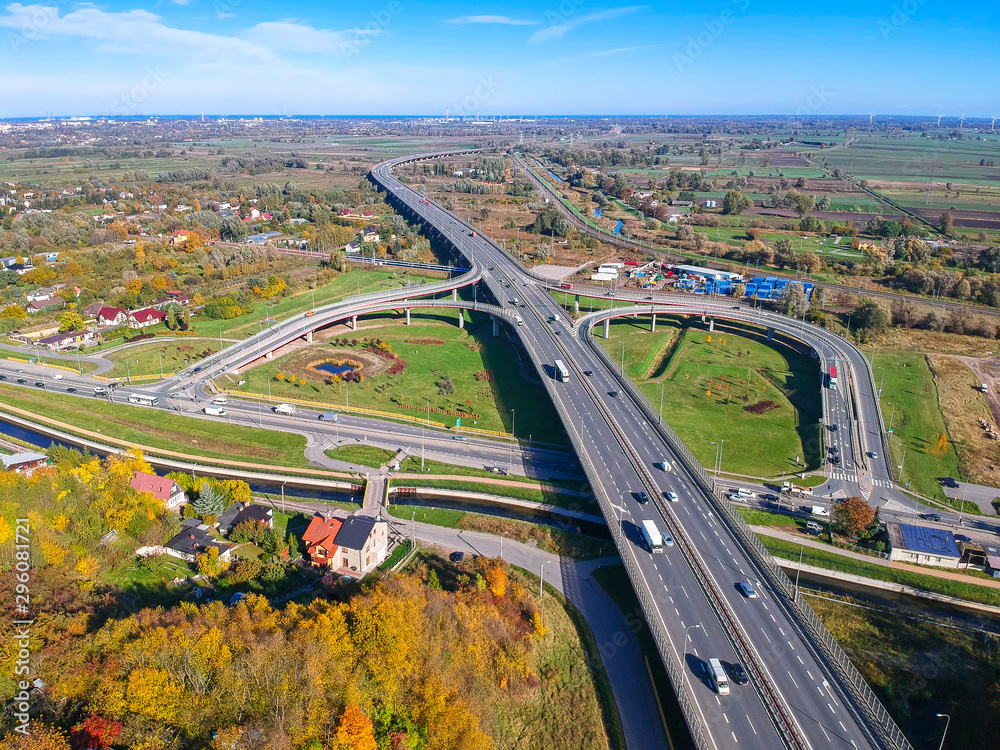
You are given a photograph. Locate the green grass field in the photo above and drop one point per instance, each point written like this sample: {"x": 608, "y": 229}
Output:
{"x": 917, "y": 421}
{"x": 708, "y": 379}
{"x": 462, "y": 354}
{"x": 164, "y": 430}
{"x": 154, "y": 358}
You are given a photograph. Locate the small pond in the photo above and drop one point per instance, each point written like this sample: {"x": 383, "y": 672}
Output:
{"x": 332, "y": 369}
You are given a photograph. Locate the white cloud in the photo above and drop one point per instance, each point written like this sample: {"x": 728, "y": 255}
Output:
{"x": 132, "y": 31}
{"x": 557, "y": 31}
{"x": 289, "y": 35}
{"x": 505, "y": 20}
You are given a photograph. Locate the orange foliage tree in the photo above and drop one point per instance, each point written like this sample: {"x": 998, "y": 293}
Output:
{"x": 355, "y": 731}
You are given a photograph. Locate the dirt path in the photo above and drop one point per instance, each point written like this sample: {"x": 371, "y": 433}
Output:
{"x": 987, "y": 369}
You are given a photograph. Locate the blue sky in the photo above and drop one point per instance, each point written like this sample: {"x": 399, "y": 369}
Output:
{"x": 558, "y": 57}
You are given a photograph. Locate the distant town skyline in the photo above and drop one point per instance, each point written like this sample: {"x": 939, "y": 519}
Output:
{"x": 573, "y": 57}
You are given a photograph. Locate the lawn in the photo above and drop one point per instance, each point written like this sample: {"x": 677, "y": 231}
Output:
{"x": 160, "y": 429}
{"x": 163, "y": 357}
{"x": 491, "y": 376}
{"x": 709, "y": 381}
{"x": 910, "y": 400}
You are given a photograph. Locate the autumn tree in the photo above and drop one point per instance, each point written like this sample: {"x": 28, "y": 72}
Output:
{"x": 355, "y": 730}
{"x": 209, "y": 563}
{"x": 70, "y": 321}
{"x": 41, "y": 737}
{"x": 496, "y": 579}
{"x": 941, "y": 445}
{"x": 853, "y": 515}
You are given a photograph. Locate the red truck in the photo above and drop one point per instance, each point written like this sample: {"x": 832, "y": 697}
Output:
{"x": 566, "y": 285}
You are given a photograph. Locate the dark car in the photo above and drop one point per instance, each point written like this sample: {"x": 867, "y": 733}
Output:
{"x": 949, "y": 482}
{"x": 613, "y": 394}
{"x": 738, "y": 674}
{"x": 931, "y": 516}
{"x": 962, "y": 538}
{"x": 558, "y": 333}
{"x": 3, "y": 377}
{"x": 22, "y": 381}
{"x": 835, "y": 460}
{"x": 71, "y": 390}
{"x": 642, "y": 497}
{"x": 456, "y": 557}
{"x": 834, "y": 449}
{"x": 833, "y": 428}
{"x": 197, "y": 369}
{"x": 588, "y": 372}
{"x": 39, "y": 384}
{"x": 770, "y": 498}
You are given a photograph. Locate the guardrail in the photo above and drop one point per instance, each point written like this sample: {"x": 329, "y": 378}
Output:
{"x": 866, "y": 704}
{"x": 334, "y": 407}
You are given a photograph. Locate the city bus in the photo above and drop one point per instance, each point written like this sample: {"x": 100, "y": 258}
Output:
{"x": 144, "y": 399}
{"x": 831, "y": 379}
{"x": 562, "y": 374}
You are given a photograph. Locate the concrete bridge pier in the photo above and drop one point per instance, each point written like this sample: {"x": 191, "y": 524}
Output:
{"x": 770, "y": 334}
{"x": 309, "y": 337}
{"x": 354, "y": 322}
{"x": 607, "y": 328}
{"x": 269, "y": 355}
{"x": 576, "y": 305}
{"x": 711, "y": 324}
{"x": 703, "y": 317}
{"x": 652, "y": 327}
{"x": 407, "y": 316}
{"x": 461, "y": 318}
{"x": 454, "y": 295}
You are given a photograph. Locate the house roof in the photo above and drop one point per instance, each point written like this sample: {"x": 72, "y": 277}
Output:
{"x": 923, "y": 539}
{"x": 39, "y": 304}
{"x": 110, "y": 313}
{"x": 141, "y": 316}
{"x": 93, "y": 308}
{"x": 19, "y": 459}
{"x": 161, "y": 487}
{"x": 993, "y": 561}
{"x": 322, "y": 531}
{"x": 355, "y": 532}
{"x": 237, "y": 513}
{"x": 195, "y": 540}
{"x": 58, "y": 338}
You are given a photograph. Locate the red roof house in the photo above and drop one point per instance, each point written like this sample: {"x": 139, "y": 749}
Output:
{"x": 144, "y": 318}
{"x": 111, "y": 316}
{"x": 319, "y": 538}
{"x": 165, "y": 490}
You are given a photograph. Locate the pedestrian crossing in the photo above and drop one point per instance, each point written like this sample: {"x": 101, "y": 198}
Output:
{"x": 850, "y": 476}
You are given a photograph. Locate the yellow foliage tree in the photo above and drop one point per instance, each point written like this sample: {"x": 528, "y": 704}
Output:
{"x": 496, "y": 579}
{"x": 41, "y": 737}
{"x": 941, "y": 446}
{"x": 52, "y": 552}
{"x": 5, "y": 531}
{"x": 60, "y": 523}
{"x": 209, "y": 563}
{"x": 86, "y": 566}
{"x": 539, "y": 628}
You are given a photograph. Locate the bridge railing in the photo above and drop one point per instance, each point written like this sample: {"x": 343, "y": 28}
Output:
{"x": 866, "y": 703}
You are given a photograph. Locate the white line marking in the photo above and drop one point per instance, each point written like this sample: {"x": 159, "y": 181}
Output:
{"x": 793, "y": 679}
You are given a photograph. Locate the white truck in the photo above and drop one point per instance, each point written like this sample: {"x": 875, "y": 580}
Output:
{"x": 519, "y": 319}
{"x": 100, "y": 390}
{"x": 651, "y": 536}
{"x": 984, "y": 388}
{"x": 214, "y": 411}
{"x": 286, "y": 409}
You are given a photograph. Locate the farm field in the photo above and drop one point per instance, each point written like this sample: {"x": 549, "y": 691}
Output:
{"x": 489, "y": 376}
{"x": 728, "y": 385}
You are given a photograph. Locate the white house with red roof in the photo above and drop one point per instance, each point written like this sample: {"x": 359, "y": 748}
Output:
{"x": 111, "y": 316}
{"x": 149, "y": 316}
{"x": 179, "y": 237}
{"x": 165, "y": 490}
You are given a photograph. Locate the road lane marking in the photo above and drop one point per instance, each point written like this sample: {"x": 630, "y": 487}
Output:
{"x": 765, "y": 635}
{"x": 793, "y": 679}
{"x": 751, "y": 724}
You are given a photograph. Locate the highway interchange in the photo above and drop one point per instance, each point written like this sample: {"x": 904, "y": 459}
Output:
{"x": 796, "y": 697}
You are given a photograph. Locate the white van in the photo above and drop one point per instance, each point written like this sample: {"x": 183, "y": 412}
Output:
{"x": 744, "y": 492}
{"x": 100, "y": 390}
{"x": 718, "y": 676}
{"x": 220, "y": 401}
{"x": 214, "y": 411}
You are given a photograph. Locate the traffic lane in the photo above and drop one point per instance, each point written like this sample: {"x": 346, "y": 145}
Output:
{"x": 731, "y": 569}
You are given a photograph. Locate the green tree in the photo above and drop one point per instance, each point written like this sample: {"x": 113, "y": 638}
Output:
{"x": 870, "y": 315}
{"x": 946, "y": 222}
{"x": 784, "y": 255}
{"x": 793, "y": 301}
{"x": 735, "y": 203}
{"x": 210, "y": 501}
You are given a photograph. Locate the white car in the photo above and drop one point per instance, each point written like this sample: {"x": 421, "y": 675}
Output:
{"x": 672, "y": 496}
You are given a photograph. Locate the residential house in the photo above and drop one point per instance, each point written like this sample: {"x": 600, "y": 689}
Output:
{"x": 362, "y": 545}
{"x": 179, "y": 237}
{"x": 60, "y": 341}
{"x": 237, "y": 513}
{"x": 46, "y": 305}
{"x": 353, "y": 247}
{"x": 370, "y": 234}
{"x": 922, "y": 545}
{"x": 345, "y": 212}
{"x": 194, "y": 539}
{"x": 144, "y": 318}
{"x": 298, "y": 221}
{"x": 367, "y": 215}
{"x": 93, "y": 308}
{"x": 24, "y": 463}
{"x": 43, "y": 293}
{"x": 320, "y": 540}
{"x": 262, "y": 238}
{"x": 167, "y": 491}
{"x": 681, "y": 204}
{"x": 111, "y": 316}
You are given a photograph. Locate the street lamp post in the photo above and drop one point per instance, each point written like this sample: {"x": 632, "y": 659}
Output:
{"x": 422, "y": 430}
{"x": 881, "y": 381}
{"x": 623, "y": 358}
{"x": 659, "y": 419}
{"x": 798, "y": 570}
{"x": 501, "y": 543}
{"x": 413, "y": 528}
{"x": 947, "y": 722}
{"x": 541, "y": 586}
{"x": 901, "y": 462}
{"x": 891, "y": 415}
